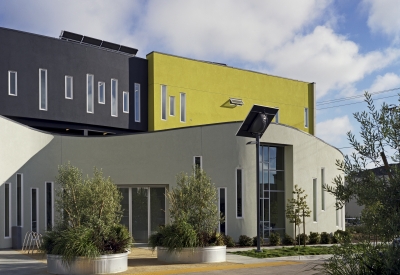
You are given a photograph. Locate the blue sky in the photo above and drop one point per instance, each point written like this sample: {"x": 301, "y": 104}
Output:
{"x": 346, "y": 47}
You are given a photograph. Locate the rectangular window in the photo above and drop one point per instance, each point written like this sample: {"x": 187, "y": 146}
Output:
{"x": 163, "y": 102}
{"x": 172, "y": 106}
{"x": 20, "y": 199}
{"x": 12, "y": 83}
{"x": 125, "y": 102}
{"x": 183, "y": 107}
{"x": 114, "y": 97}
{"x": 68, "y": 87}
{"x": 337, "y": 217}
{"x": 137, "y": 102}
{"x": 198, "y": 162}
{"x": 34, "y": 210}
{"x": 102, "y": 92}
{"x": 322, "y": 189}
{"x": 314, "y": 200}
{"x": 239, "y": 194}
{"x": 222, "y": 209}
{"x": 49, "y": 206}
{"x": 43, "y": 89}
{"x": 306, "y": 117}
{"x": 7, "y": 210}
{"x": 89, "y": 93}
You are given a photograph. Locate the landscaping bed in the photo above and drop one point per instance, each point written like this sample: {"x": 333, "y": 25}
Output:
{"x": 286, "y": 251}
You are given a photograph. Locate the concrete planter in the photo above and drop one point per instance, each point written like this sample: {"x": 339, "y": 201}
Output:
{"x": 211, "y": 254}
{"x": 112, "y": 263}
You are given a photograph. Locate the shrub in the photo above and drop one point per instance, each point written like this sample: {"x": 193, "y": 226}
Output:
{"x": 341, "y": 236}
{"x": 288, "y": 240}
{"x": 314, "y": 238}
{"x": 325, "y": 238}
{"x": 244, "y": 240}
{"x": 274, "y": 238}
{"x": 255, "y": 241}
{"x": 303, "y": 238}
{"x": 228, "y": 240}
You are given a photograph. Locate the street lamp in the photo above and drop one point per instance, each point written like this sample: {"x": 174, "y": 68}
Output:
{"x": 254, "y": 126}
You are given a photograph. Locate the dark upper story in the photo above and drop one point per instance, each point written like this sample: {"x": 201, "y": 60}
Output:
{"x": 66, "y": 87}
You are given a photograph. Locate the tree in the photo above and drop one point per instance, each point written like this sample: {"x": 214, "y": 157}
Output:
{"x": 297, "y": 207}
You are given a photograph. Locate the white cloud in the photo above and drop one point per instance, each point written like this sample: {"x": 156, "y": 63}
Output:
{"x": 334, "y": 130}
{"x": 384, "y": 17}
{"x": 385, "y": 82}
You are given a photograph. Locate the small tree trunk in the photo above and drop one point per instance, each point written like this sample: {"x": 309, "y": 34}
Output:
{"x": 295, "y": 224}
{"x": 304, "y": 229}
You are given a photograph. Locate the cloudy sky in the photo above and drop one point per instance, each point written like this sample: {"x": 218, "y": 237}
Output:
{"x": 346, "y": 47}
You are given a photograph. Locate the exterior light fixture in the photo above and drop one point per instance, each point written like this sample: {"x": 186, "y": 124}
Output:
{"x": 254, "y": 126}
{"x": 236, "y": 101}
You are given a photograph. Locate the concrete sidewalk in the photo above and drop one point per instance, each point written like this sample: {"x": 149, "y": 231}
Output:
{"x": 14, "y": 263}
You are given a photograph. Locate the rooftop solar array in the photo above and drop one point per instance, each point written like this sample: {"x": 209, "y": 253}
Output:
{"x": 78, "y": 38}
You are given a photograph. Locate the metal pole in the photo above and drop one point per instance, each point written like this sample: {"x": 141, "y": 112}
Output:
{"x": 258, "y": 190}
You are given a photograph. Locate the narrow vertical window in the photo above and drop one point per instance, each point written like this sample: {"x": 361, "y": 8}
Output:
{"x": 322, "y": 189}
{"x": 222, "y": 209}
{"x": 49, "y": 206}
{"x": 89, "y": 93}
{"x": 163, "y": 102}
{"x": 125, "y": 102}
{"x": 306, "y": 117}
{"x": 239, "y": 194}
{"x": 114, "y": 97}
{"x": 183, "y": 107}
{"x": 314, "y": 200}
{"x": 20, "y": 199}
{"x": 7, "y": 210}
{"x": 337, "y": 217}
{"x": 68, "y": 87}
{"x": 172, "y": 106}
{"x": 34, "y": 210}
{"x": 137, "y": 102}
{"x": 43, "y": 89}
{"x": 102, "y": 91}
{"x": 198, "y": 162}
{"x": 12, "y": 83}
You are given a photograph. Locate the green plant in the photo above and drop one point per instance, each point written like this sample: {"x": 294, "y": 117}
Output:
{"x": 274, "y": 239}
{"x": 288, "y": 240}
{"x": 314, "y": 238}
{"x": 229, "y": 242}
{"x": 325, "y": 238}
{"x": 303, "y": 238}
{"x": 245, "y": 240}
{"x": 340, "y": 236}
{"x": 255, "y": 241}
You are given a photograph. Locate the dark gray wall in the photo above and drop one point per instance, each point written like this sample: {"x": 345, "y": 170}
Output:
{"x": 26, "y": 53}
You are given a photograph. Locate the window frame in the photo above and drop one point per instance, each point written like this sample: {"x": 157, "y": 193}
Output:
{"x": 226, "y": 209}
{"x": 137, "y": 102}
{"x": 103, "y": 84}
{"x": 37, "y": 208}
{"x": 315, "y": 200}
{"x": 306, "y": 117}
{"x": 125, "y": 110}
{"x": 164, "y": 95}
{"x": 9, "y": 211}
{"x": 322, "y": 189}
{"x": 116, "y": 97}
{"x": 22, "y": 198}
{"x": 66, "y": 87}
{"x": 87, "y": 94}
{"x": 172, "y": 106}
{"x": 45, "y": 89}
{"x": 201, "y": 161}
{"x": 241, "y": 191}
{"x": 182, "y": 108}
{"x": 45, "y": 204}
{"x": 9, "y": 83}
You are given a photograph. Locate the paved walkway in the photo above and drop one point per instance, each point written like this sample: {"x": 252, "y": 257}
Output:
{"x": 143, "y": 261}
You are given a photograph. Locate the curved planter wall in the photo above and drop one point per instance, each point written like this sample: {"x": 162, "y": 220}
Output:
{"x": 212, "y": 254}
{"x": 113, "y": 263}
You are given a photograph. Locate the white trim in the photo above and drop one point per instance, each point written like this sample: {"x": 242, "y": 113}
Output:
{"x": 104, "y": 90}
{"x": 137, "y": 102}
{"x": 22, "y": 199}
{"x": 9, "y": 82}
{"x": 87, "y": 94}
{"x": 37, "y": 208}
{"x": 116, "y": 97}
{"x": 45, "y": 204}
{"x": 226, "y": 209}
{"x": 40, "y": 90}
{"x": 201, "y": 161}
{"x": 66, "y": 86}
{"x": 164, "y": 105}
{"x": 182, "y": 105}
{"x": 9, "y": 211}
{"x": 126, "y": 111}
{"x": 236, "y": 194}
{"x": 172, "y": 109}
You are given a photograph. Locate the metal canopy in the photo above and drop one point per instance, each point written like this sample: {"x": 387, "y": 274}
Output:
{"x": 245, "y": 128}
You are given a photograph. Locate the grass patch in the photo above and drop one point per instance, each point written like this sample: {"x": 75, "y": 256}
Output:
{"x": 287, "y": 251}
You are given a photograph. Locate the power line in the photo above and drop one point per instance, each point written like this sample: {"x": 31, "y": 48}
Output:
{"x": 354, "y": 97}
{"x": 355, "y": 102}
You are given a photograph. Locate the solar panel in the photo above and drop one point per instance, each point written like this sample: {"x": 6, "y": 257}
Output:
{"x": 92, "y": 41}
{"x": 71, "y": 36}
{"x": 111, "y": 46}
{"x": 128, "y": 50}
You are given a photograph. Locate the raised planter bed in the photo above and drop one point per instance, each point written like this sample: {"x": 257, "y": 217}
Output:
{"x": 210, "y": 254}
{"x": 112, "y": 263}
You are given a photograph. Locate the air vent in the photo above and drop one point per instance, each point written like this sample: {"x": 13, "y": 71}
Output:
{"x": 236, "y": 101}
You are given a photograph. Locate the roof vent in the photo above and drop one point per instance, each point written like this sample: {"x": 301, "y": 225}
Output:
{"x": 236, "y": 101}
